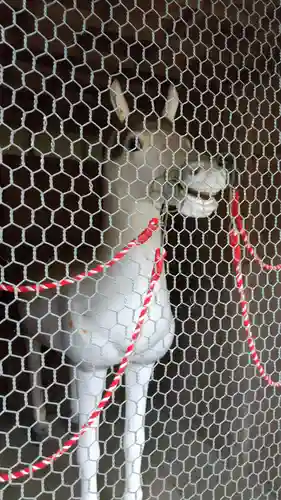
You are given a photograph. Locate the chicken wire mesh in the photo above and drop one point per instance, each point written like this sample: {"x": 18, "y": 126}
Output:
{"x": 212, "y": 426}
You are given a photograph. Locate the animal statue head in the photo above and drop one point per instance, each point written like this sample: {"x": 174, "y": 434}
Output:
{"x": 149, "y": 162}
{"x": 203, "y": 179}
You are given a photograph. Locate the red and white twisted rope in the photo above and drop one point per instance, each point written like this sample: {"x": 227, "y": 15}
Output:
{"x": 234, "y": 241}
{"x": 27, "y": 471}
{"x": 243, "y": 233}
{"x": 156, "y": 273}
{"x": 142, "y": 238}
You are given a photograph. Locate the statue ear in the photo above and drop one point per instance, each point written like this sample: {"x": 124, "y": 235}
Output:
{"x": 118, "y": 101}
{"x": 172, "y": 103}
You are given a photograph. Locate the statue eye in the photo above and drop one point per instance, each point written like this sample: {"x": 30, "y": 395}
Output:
{"x": 134, "y": 144}
{"x": 219, "y": 161}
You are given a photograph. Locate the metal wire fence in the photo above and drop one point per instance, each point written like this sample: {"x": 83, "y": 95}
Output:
{"x": 212, "y": 424}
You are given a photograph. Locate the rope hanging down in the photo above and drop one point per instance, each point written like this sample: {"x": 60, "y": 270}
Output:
{"x": 143, "y": 237}
{"x": 234, "y": 241}
{"x": 155, "y": 276}
{"x": 156, "y": 273}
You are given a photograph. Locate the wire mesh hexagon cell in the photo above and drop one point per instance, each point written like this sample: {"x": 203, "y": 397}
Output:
{"x": 112, "y": 112}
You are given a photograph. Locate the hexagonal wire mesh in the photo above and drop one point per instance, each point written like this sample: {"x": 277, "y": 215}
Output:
{"x": 212, "y": 426}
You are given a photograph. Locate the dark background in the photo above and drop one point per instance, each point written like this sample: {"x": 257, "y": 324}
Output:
{"x": 225, "y": 61}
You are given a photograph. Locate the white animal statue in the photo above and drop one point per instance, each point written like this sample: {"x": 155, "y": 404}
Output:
{"x": 146, "y": 165}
